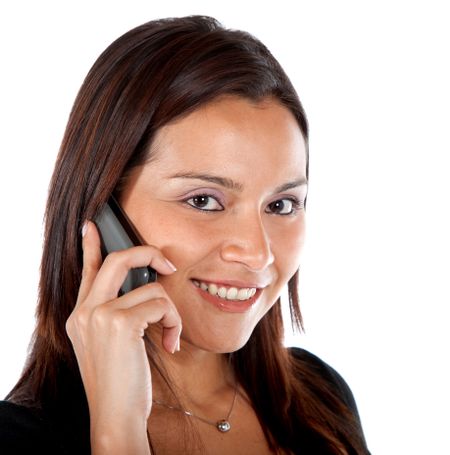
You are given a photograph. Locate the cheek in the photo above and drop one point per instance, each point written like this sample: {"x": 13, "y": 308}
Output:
{"x": 288, "y": 245}
{"x": 180, "y": 239}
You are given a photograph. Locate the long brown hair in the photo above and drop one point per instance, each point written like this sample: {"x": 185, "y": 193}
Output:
{"x": 151, "y": 75}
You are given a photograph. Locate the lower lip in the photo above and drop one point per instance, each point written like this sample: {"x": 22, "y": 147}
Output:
{"x": 229, "y": 306}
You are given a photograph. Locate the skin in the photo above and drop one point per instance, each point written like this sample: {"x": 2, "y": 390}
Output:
{"x": 210, "y": 232}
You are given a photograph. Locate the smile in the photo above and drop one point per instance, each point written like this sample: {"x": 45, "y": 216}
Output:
{"x": 226, "y": 293}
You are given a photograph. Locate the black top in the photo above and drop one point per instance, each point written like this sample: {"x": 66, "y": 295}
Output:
{"x": 64, "y": 429}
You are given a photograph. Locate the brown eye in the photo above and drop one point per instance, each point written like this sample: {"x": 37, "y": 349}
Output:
{"x": 200, "y": 201}
{"x": 283, "y": 207}
{"x": 204, "y": 202}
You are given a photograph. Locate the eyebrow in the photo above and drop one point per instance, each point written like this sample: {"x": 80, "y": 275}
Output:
{"x": 231, "y": 184}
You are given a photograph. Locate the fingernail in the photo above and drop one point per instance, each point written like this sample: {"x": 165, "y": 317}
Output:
{"x": 84, "y": 229}
{"x": 176, "y": 348}
{"x": 171, "y": 265}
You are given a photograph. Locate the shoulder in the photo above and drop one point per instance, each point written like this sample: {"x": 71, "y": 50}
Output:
{"x": 314, "y": 366}
{"x": 23, "y": 430}
{"x": 59, "y": 425}
{"x": 326, "y": 385}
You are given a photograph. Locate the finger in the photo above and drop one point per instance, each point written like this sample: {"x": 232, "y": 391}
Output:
{"x": 136, "y": 296}
{"x": 114, "y": 270}
{"x": 92, "y": 259}
{"x": 158, "y": 311}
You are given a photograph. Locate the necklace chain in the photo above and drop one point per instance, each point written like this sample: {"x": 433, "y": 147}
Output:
{"x": 222, "y": 425}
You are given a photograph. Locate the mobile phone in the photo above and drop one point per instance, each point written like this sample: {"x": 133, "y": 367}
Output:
{"x": 118, "y": 233}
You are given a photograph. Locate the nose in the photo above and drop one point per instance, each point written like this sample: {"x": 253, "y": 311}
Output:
{"x": 248, "y": 243}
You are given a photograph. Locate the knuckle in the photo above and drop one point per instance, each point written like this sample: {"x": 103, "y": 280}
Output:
{"x": 174, "y": 309}
{"x": 155, "y": 286}
{"x": 100, "y": 316}
{"x": 82, "y": 318}
{"x": 159, "y": 302}
{"x": 87, "y": 271}
{"x": 77, "y": 322}
{"x": 168, "y": 307}
{"x": 107, "y": 317}
{"x": 119, "y": 260}
{"x": 113, "y": 257}
{"x": 151, "y": 248}
{"x": 119, "y": 321}
{"x": 69, "y": 326}
{"x": 161, "y": 306}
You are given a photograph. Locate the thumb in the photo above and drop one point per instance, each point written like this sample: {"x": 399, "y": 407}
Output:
{"x": 92, "y": 259}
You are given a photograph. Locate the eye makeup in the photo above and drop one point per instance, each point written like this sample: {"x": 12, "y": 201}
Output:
{"x": 200, "y": 201}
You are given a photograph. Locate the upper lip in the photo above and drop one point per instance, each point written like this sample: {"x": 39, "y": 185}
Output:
{"x": 235, "y": 283}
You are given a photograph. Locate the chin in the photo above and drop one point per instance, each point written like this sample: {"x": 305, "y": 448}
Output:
{"x": 230, "y": 347}
{"x": 220, "y": 344}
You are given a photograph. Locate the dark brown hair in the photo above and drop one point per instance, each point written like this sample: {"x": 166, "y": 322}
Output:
{"x": 148, "y": 77}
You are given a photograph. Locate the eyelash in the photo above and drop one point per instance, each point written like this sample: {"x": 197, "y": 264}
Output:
{"x": 296, "y": 204}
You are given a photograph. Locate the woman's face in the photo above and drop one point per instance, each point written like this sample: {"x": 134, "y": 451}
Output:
{"x": 222, "y": 197}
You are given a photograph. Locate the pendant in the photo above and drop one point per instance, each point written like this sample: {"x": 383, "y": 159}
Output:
{"x": 223, "y": 426}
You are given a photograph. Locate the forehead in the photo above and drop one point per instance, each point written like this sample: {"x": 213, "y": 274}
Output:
{"x": 236, "y": 136}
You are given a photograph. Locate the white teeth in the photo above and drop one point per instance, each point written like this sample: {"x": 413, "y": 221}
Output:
{"x": 212, "y": 289}
{"x": 222, "y": 292}
{"x": 232, "y": 293}
{"x": 243, "y": 294}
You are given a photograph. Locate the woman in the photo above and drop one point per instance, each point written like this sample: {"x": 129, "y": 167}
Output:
{"x": 174, "y": 119}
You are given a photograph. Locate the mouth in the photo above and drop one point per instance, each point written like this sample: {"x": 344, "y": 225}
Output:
{"x": 228, "y": 297}
{"x": 226, "y": 292}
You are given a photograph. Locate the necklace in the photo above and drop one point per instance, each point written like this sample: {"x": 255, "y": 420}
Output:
{"x": 223, "y": 425}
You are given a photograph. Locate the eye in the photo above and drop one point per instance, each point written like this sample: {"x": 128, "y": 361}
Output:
{"x": 287, "y": 206}
{"x": 204, "y": 202}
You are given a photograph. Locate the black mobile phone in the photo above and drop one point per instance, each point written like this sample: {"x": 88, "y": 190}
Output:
{"x": 118, "y": 233}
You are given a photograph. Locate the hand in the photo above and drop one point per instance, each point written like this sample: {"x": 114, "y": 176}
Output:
{"x": 107, "y": 332}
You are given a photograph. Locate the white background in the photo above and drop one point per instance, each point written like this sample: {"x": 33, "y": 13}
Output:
{"x": 374, "y": 80}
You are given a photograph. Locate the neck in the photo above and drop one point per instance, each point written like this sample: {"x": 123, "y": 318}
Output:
{"x": 197, "y": 376}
